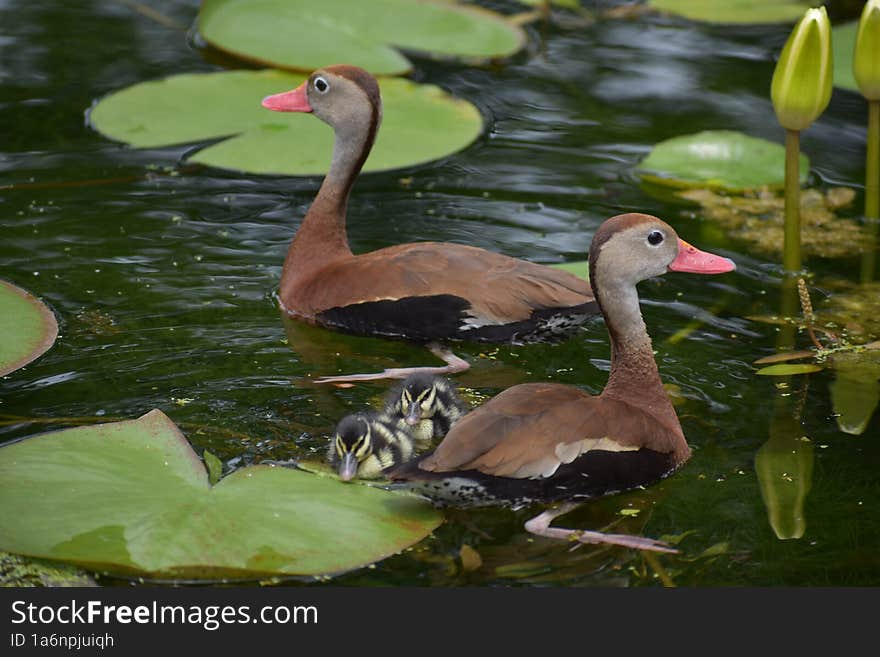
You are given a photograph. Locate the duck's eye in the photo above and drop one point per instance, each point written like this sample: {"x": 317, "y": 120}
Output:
{"x": 655, "y": 237}
{"x": 321, "y": 85}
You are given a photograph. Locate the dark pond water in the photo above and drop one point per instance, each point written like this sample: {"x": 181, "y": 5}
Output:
{"x": 163, "y": 276}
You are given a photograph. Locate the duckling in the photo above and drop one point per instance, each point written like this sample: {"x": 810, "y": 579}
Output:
{"x": 428, "y": 405}
{"x": 367, "y": 443}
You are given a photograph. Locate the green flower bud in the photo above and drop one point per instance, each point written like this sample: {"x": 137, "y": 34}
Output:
{"x": 866, "y": 63}
{"x": 801, "y": 85}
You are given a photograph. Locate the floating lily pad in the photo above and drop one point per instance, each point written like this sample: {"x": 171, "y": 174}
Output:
{"x": 735, "y": 11}
{"x": 133, "y": 497}
{"x": 843, "y": 46}
{"x": 758, "y": 218}
{"x": 420, "y": 122}
{"x": 718, "y": 159}
{"x": 579, "y": 269}
{"x": 307, "y": 34}
{"x": 27, "y": 328}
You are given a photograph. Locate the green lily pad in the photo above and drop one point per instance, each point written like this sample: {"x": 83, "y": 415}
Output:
{"x": 133, "y": 497}
{"x": 27, "y": 328}
{"x": 735, "y": 11}
{"x": 420, "y": 122}
{"x": 718, "y": 159}
{"x": 843, "y": 46}
{"x": 789, "y": 369}
{"x": 579, "y": 269}
{"x": 307, "y": 34}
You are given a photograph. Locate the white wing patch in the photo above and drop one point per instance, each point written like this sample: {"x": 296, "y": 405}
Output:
{"x": 568, "y": 452}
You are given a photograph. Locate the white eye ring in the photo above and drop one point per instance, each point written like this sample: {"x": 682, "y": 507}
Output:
{"x": 321, "y": 85}
{"x": 655, "y": 238}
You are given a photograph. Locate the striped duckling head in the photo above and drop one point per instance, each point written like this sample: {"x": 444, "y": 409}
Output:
{"x": 427, "y": 405}
{"x": 366, "y": 444}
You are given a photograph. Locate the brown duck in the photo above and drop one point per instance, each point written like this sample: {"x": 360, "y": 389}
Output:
{"x": 425, "y": 292}
{"x": 548, "y": 442}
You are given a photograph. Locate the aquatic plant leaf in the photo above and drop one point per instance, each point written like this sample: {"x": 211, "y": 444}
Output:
{"x": 843, "y": 46}
{"x": 214, "y": 466}
{"x": 133, "y": 497}
{"x": 734, "y": 11}
{"x": 788, "y": 369}
{"x": 717, "y": 159}
{"x": 785, "y": 356}
{"x": 27, "y": 328}
{"x": 307, "y": 34}
{"x": 855, "y": 391}
{"x": 579, "y": 269}
{"x": 420, "y": 122}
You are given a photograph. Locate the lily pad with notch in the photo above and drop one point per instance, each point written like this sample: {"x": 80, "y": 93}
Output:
{"x": 307, "y": 34}
{"x": 420, "y": 123}
{"x": 133, "y": 498}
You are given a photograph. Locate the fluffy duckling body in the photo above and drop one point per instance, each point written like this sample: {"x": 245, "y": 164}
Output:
{"x": 428, "y": 405}
{"x": 366, "y": 444}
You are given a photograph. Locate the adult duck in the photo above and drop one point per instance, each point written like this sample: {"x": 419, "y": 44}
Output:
{"x": 548, "y": 442}
{"x": 425, "y": 292}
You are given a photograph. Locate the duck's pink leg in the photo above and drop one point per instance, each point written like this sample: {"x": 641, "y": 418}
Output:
{"x": 540, "y": 526}
{"x": 454, "y": 365}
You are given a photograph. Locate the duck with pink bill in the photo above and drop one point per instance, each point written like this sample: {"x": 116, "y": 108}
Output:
{"x": 424, "y": 292}
{"x": 552, "y": 443}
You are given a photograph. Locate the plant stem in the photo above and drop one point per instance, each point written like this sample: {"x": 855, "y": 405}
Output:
{"x": 872, "y": 162}
{"x": 791, "y": 257}
{"x": 788, "y": 307}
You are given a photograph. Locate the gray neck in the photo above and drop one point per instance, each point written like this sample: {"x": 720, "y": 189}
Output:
{"x": 632, "y": 357}
{"x": 322, "y": 236}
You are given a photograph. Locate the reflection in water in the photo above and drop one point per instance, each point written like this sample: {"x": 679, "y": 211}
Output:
{"x": 855, "y": 390}
{"x": 323, "y": 352}
{"x": 784, "y": 465}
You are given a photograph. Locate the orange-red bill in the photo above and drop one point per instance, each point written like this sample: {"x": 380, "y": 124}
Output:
{"x": 289, "y": 101}
{"x": 690, "y": 259}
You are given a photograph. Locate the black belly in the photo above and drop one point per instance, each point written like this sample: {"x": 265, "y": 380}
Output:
{"x": 444, "y": 317}
{"x": 594, "y": 474}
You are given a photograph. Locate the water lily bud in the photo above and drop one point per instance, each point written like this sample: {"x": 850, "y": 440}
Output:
{"x": 866, "y": 63}
{"x": 801, "y": 85}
